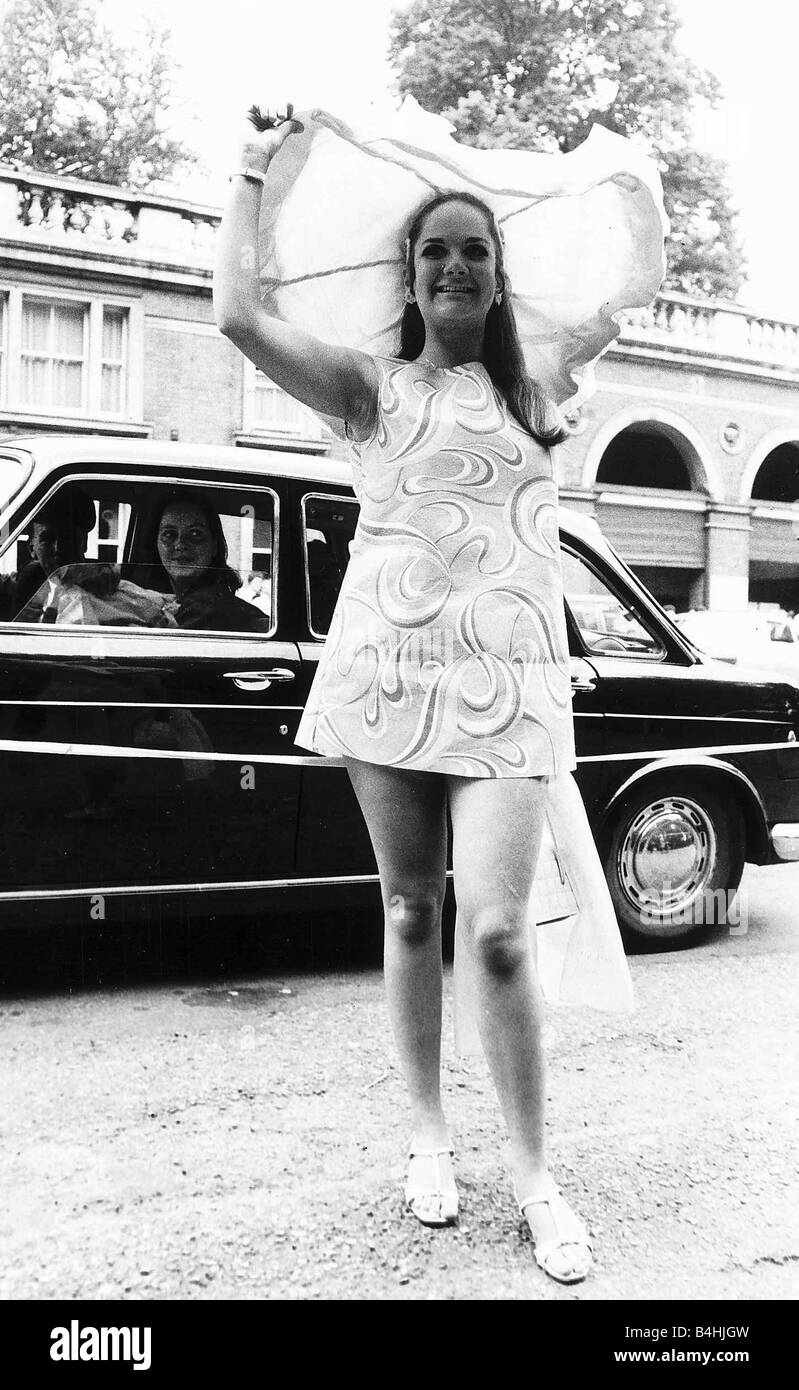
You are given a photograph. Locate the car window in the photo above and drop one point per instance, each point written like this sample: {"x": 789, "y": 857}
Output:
{"x": 154, "y": 553}
{"x": 14, "y": 471}
{"x": 328, "y": 528}
{"x": 608, "y": 623}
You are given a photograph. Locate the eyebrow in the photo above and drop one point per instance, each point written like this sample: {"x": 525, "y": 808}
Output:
{"x": 433, "y": 240}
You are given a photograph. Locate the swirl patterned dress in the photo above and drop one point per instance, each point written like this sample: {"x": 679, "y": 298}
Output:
{"x": 447, "y": 650}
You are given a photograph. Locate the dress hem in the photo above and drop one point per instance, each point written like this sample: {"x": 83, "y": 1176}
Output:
{"x": 549, "y": 773}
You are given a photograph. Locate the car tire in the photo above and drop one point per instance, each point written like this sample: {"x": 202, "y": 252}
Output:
{"x": 673, "y": 855}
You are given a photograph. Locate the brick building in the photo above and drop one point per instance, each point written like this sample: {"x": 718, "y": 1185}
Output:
{"x": 687, "y": 452}
{"x": 107, "y": 326}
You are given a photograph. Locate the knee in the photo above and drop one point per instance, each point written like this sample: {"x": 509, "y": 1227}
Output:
{"x": 499, "y": 936}
{"x": 415, "y": 916}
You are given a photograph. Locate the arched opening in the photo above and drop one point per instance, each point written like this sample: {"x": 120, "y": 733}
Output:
{"x": 652, "y": 510}
{"x": 774, "y": 545}
{"x": 777, "y": 477}
{"x": 645, "y": 456}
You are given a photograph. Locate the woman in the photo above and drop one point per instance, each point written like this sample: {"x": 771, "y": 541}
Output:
{"x": 444, "y": 681}
{"x": 189, "y": 556}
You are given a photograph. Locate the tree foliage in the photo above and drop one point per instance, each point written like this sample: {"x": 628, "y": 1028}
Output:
{"x": 538, "y": 73}
{"x": 76, "y": 101}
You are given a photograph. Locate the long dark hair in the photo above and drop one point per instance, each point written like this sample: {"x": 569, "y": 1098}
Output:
{"x": 150, "y": 571}
{"x": 502, "y": 350}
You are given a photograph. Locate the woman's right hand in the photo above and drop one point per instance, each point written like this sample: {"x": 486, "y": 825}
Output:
{"x": 261, "y": 146}
{"x": 331, "y": 379}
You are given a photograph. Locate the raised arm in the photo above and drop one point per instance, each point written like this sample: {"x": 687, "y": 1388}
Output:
{"x": 334, "y": 380}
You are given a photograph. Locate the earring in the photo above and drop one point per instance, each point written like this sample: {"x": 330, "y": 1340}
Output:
{"x": 410, "y": 297}
{"x": 498, "y": 297}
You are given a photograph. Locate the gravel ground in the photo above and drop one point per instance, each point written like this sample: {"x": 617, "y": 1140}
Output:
{"x": 241, "y": 1136}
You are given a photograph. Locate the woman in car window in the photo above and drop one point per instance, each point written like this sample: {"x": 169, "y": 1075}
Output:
{"x": 187, "y": 553}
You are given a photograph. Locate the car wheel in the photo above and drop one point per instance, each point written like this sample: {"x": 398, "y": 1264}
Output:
{"x": 673, "y": 860}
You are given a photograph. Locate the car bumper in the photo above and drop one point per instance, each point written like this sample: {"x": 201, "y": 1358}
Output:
{"x": 785, "y": 840}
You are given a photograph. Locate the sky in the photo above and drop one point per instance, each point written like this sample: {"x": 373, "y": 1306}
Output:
{"x": 332, "y": 53}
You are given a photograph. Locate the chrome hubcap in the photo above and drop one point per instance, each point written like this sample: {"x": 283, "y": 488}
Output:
{"x": 667, "y": 856}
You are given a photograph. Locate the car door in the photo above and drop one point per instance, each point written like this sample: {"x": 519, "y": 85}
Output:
{"x": 652, "y": 695}
{"x": 333, "y": 842}
{"x": 138, "y": 756}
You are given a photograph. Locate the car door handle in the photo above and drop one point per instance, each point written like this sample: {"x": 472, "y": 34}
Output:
{"x": 259, "y": 680}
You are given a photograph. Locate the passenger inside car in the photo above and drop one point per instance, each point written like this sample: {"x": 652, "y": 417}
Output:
{"x": 58, "y": 536}
{"x": 185, "y": 552}
{"x": 176, "y": 574}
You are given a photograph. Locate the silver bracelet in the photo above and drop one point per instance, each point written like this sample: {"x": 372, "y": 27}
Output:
{"x": 248, "y": 174}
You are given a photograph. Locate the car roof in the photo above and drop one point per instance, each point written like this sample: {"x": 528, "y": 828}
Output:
{"x": 49, "y": 451}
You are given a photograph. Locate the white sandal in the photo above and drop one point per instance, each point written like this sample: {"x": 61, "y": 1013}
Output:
{"x": 571, "y": 1238}
{"x": 433, "y": 1205}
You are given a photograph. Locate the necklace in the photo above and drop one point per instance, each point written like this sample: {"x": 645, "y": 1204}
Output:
{"x": 428, "y": 362}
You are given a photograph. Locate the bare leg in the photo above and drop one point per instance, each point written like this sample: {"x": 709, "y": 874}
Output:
{"x": 405, "y": 813}
{"x": 497, "y": 828}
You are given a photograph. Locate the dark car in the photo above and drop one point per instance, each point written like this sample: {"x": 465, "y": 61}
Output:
{"x": 147, "y": 743}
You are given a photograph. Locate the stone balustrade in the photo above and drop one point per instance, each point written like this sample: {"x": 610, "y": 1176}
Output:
{"x": 718, "y": 328}
{"x": 70, "y": 213}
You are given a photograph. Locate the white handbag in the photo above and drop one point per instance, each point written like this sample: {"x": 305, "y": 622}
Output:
{"x": 552, "y": 896}
{"x": 574, "y": 935}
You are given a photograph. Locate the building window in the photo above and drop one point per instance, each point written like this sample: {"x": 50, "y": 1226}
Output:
{"x": 275, "y": 409}
{"x": 53, "y": 354}
{"x": 269, "y": 409}
{"x": 65, "y": 355}
{"x": 107, "y": 540}
{"x": 114, "y": 360}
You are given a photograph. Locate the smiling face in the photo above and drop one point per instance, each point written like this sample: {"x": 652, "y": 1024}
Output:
{"x": 455, "y": 268}
{"x": 185, "y": 544}
{"x": 55, "y": 543}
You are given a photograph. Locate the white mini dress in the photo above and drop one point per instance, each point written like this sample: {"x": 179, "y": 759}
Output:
{"x": 447, "y": 650}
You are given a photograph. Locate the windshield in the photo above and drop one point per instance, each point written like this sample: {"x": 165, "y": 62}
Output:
{"x": 15, "y": 469}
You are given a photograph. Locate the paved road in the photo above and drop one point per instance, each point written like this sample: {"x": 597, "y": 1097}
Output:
{"x": 218, "y": 1115}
